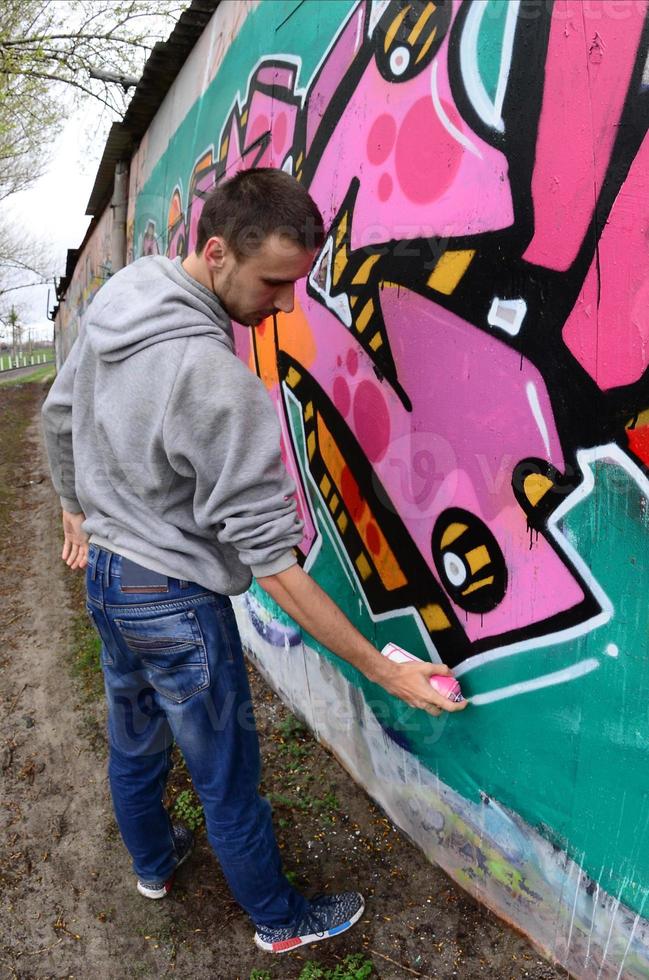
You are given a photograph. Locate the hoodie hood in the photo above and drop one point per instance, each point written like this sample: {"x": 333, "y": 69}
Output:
{"x": 120, "y": 321}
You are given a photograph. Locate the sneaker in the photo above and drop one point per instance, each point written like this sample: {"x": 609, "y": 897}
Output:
{"x": 183, "y": 843}
{"x": 326, "y": 916}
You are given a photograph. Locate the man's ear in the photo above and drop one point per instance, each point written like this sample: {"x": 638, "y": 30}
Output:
{"x": 215, "y": 252}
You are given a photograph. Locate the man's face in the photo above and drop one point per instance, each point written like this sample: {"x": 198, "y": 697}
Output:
{"x": 254, "y": 287}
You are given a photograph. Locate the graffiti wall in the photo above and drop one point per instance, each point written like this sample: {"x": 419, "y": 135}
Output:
{"x": 464, "y": 401}
{"x": 91, "y": 272}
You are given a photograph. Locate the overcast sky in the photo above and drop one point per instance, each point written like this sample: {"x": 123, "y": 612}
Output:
{"x": 53, "y": 210}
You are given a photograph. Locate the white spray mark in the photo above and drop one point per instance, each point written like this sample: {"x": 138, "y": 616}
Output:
{"x": 616, "y": 905}
{"x": 547, "y": 680}
{"x": 535, "y": 405}
{"x": 612, "y": 650}
{"x": 633, "y": 929}
{"x": 507, "y": 314}
{"x": 456, "y": 133}
{"x": 645, "y": 72}
{"x": 574, "y": 904}
{"x": 592, "y": 924}
{"x": 565, "y": 885}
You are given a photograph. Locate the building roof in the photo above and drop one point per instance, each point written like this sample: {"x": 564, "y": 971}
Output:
{"x": 158, "y": 75}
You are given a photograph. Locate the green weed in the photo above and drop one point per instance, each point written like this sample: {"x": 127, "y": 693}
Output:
{"x": 354, "y": 967}
{"x": 86, "y": 650}
{"x": 187, "y": 808}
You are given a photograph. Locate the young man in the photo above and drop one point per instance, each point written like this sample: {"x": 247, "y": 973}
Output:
{"x": 164, "y": 449}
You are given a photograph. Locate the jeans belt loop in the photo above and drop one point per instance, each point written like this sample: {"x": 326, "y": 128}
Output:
{"x": 93, "y": 567}
{"x": 109, "y": 556}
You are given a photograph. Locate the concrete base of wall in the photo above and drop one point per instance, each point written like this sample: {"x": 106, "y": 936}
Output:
{"x": 489, "y": 851}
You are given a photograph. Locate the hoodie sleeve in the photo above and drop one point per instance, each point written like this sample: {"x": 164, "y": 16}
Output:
{"x": 221, "y": 428}
{"x": 57, "y": 426}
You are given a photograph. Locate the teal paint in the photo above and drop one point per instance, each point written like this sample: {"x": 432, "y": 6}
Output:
{"x": 490, "y": 44}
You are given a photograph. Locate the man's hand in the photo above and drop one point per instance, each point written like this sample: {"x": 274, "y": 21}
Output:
{"x": 75, "y": 546}
{"x": 410, "y": 683}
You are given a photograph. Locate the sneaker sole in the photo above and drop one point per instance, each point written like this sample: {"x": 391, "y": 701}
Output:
{"x": 288, "y": 945}
{"x": 156, "y": 893}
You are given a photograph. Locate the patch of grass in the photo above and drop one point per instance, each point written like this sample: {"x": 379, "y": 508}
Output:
{"x": 187, "y": 807}
{"x": 45, "y": 372}
{"x": 291, "y": 728}
{"x": 16, "y": 409}
{"x": 85, "y": 653}
{"x": 354, "y": 967}
{"x": 260, "y": 975}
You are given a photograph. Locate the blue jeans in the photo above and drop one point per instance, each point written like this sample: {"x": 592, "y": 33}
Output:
{"x": 174, "y": 672}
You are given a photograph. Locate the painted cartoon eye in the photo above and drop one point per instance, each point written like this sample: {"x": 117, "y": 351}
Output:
{"x": 469, "y": 561}
{"x": 408, "y": 36}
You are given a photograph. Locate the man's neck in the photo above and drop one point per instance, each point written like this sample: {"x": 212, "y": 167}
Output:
{"x": 194, "y": 268}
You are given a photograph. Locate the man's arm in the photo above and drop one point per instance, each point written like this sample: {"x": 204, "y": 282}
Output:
{"x": 57, "y": 427}
{"x": 303, "y": 599}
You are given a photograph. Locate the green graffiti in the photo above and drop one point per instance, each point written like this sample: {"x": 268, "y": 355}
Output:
{"x": 490, "y": 44}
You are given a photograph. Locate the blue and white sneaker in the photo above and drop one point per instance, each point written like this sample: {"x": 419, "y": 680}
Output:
{"x": 183, "y": 843}
{"x": 326, "y": 916}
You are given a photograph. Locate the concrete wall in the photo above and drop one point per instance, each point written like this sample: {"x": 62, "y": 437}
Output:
{"x": 463, "y": 394}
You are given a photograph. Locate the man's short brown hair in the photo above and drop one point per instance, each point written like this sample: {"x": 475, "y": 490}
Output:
{"x": 254, "y": 204}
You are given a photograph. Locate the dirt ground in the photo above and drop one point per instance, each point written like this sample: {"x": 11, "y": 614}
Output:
{"x": 68, "y": 904}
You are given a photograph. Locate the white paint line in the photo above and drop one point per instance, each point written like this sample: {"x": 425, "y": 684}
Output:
{"x": 456, "y": 133}
{"x": 585, "y": 457}
{"x": 535, "y": 405}
{"x": 574, "y": 904}
{"x": 378, "y": 8}
{"x": 592, "y": 923}
{"x": 358, "y": 40}
{"x": 616, "y": 906}
{"x": 645, "y": 72}
{"x": 633, "y": 929}
{"x": 469, "y": 67}
{"x": 506, "y": 61}
{"x": 546, "y": 680}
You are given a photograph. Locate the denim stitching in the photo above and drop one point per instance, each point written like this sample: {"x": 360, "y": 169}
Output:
{"x": 144, "y": 609}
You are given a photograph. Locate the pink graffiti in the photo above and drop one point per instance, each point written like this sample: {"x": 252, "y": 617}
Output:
{"x": 608, "y": 328}
{"x": 422, "y": 170}
{"x": 471, "y": 421}
{"x": 568, "y": 174}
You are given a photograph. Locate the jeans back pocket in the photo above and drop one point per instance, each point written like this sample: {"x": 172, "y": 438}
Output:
{"x": 172, "y": 652}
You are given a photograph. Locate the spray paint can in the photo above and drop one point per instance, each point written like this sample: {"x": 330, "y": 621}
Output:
{"x": 445, "y": 685}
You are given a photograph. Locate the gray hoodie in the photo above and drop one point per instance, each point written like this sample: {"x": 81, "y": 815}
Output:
{"x": 165, "y": 440}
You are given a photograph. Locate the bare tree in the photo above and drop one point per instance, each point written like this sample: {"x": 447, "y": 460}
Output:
{"x": 55, "y": 54}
